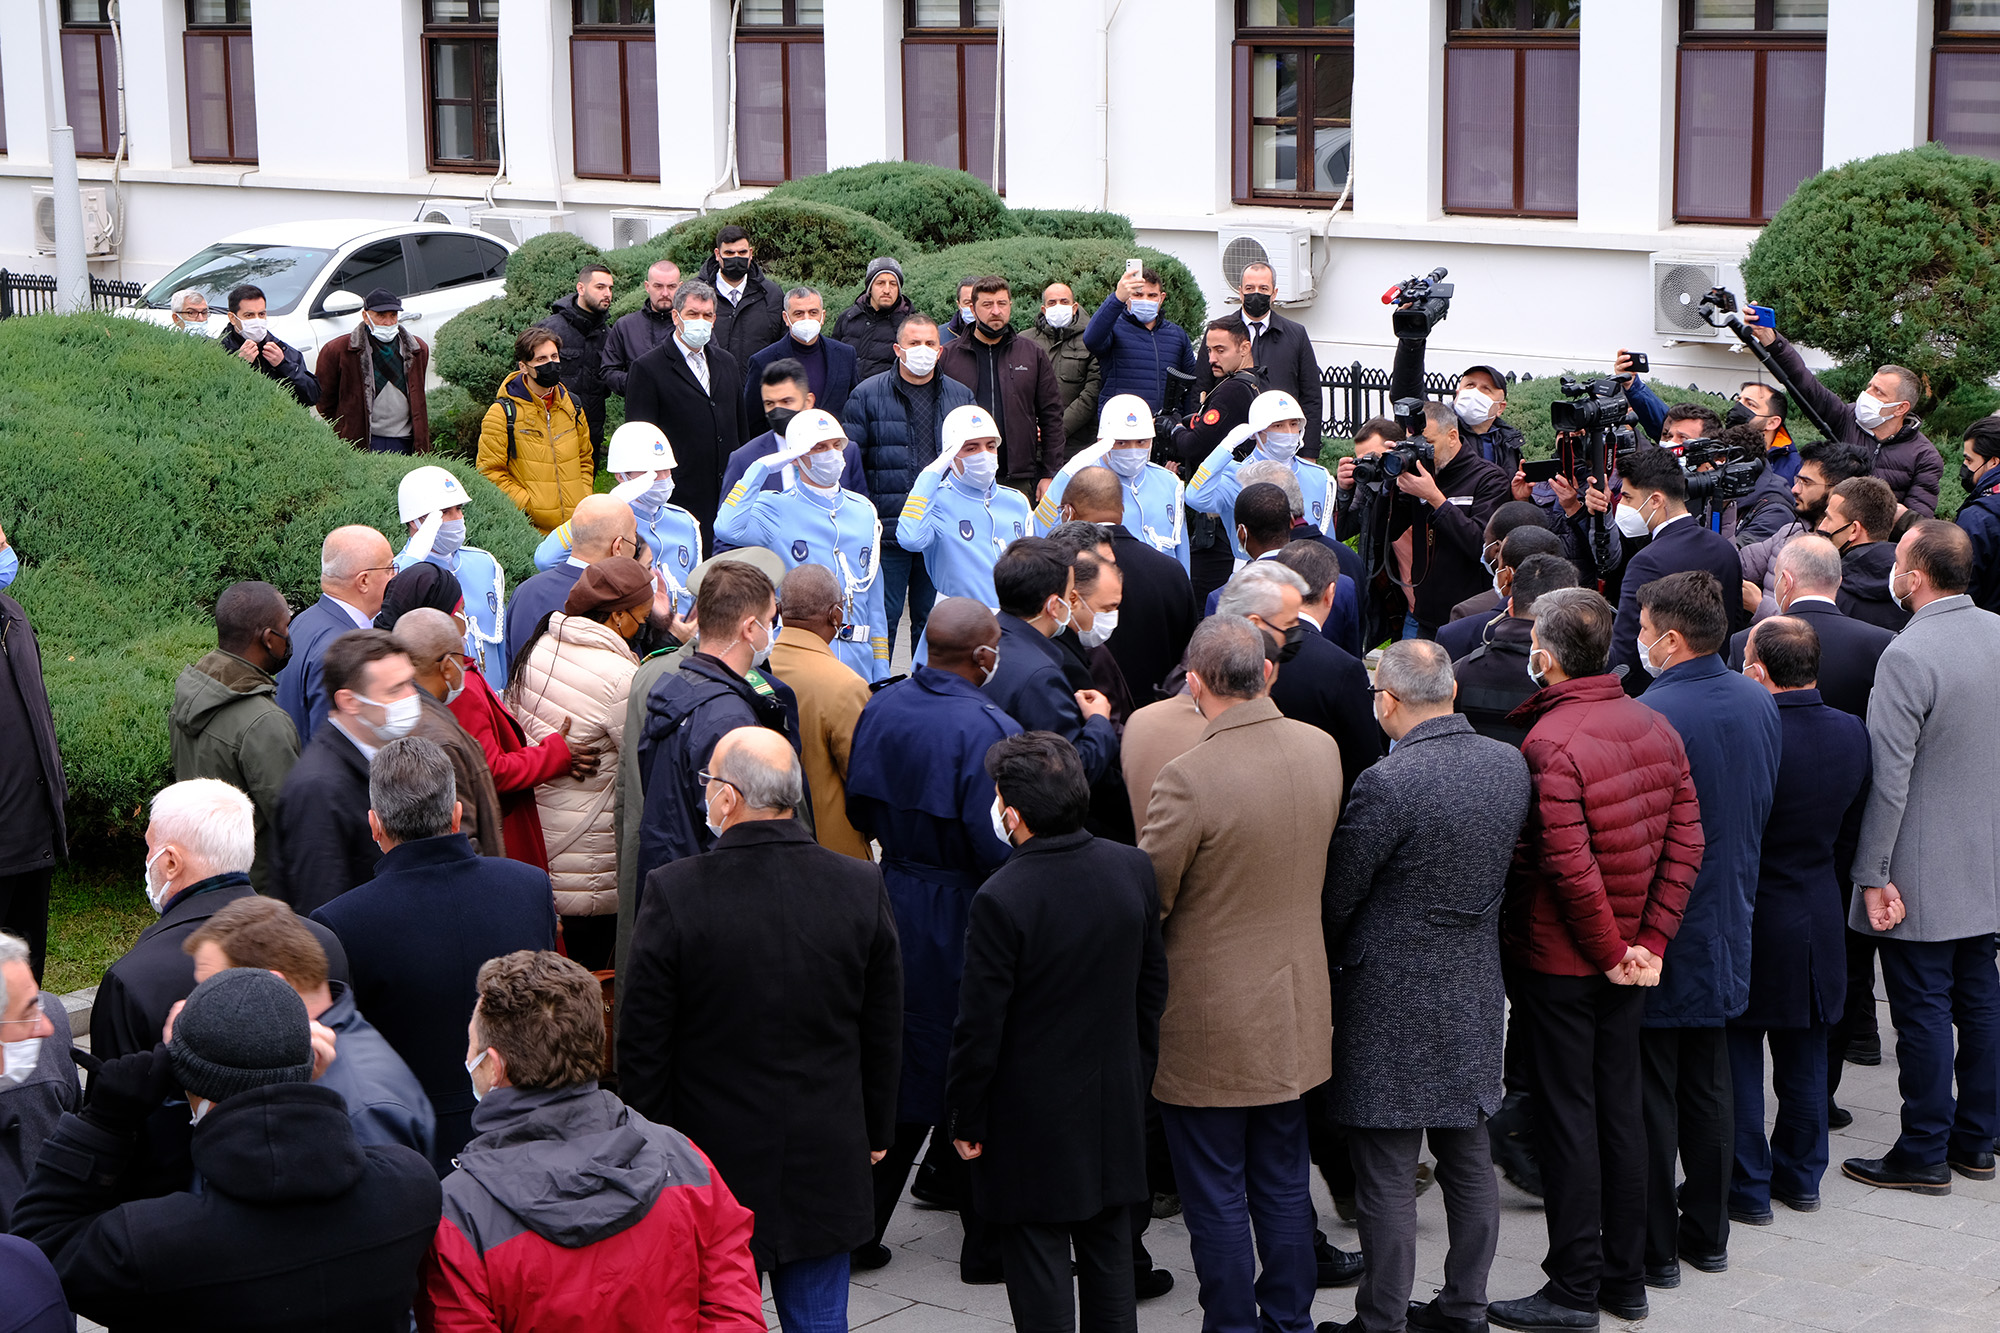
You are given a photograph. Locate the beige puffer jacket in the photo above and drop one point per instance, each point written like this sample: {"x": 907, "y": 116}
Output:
{"x": 582, "y": 671}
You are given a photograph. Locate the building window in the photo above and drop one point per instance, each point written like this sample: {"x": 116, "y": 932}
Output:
{"x": 221, "y": 91}
{"x": 951, "y": 70}
{"x": 1293, "y": 95}
{"x": 90, "y": 76}
{"x": 614, "y": 90}
{"x": 1752, "y": 106}
{"x": 1510, "y": 107}
{"x": 1965, "y": 77}
{"x": 780, "y": 90}
{"x": 462, "y": 82}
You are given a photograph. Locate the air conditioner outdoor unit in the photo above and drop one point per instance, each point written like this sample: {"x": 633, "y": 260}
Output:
{"x": 636, "y": 226}
{"x": 519, "y": 224}
{"x": 1288, "y": 250}
{"x": 97, "y": 220}
{"x": 1679, "y": 283}
{"x": 451, "y": 212}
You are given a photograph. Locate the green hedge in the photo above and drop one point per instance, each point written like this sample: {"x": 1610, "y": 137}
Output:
{"x": 141, "y": 472}
{"x": 932, "y": 206}
{"x": 1075, "y": 224}
{"x": 1030, "y": 263}
{"x": 821, "y": 245}
{"x": 475, "y": 348}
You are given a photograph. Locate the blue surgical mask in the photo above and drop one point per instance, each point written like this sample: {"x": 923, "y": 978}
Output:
{"x": 473, "y": 1064}
{"x": 1281, "y": 445}
{"x": 450, "y": 536}
{"x": 695, "y": 332}
{"x": 980, "y": 469}
{"x": 1145, "y": 311}
{"x": 823, "y": 470}
{"x": 1128, "y": 463}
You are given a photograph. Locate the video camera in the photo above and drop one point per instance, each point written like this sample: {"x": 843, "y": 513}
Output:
{"x": 1398, "y": 458}
{"x": 1593, "y": 429}
{"x": 1718, "y": 309}
{"x": 1422, "y": 303}
{"x": 1718, "y": 473}
{"x": 1173, "y": 393}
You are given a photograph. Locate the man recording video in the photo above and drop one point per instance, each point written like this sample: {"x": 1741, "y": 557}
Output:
{"x": 1448, "y": 503}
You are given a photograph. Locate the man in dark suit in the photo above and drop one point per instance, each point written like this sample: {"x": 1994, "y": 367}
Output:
{"x": 1798, "y": 966}
{"x": 1427, "y": 1062}
{"x": 1318, "y": 682}
{"x": 765, "y": 974}
{"x": 417, "y": 933}
{"x": 325, "y": 847}
{"x": 1656, "y": 489}
{"x": 1158, "y": 613}
{"x": 782, "y": 392}
{"x": 1494, "y": 678}
{"x": 355, "y": 569}
{"x": 1808, "y": 583}
{"x": 829, "y": 366}
{"x": 1035, "y": 582}
{"x": 1062, "y": 993}
{"x": 749, "y": 307}
{"x": 1505, "y": 550}
{"x": 692, "y": 389}
{"x": 199, "y": 845}
{"x": 1282, "y": 350}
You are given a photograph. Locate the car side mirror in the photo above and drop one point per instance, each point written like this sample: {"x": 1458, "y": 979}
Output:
{"x": 340, "y": 303}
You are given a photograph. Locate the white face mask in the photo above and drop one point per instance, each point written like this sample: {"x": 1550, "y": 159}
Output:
{"x": 714, "y": 829}
{"x": 21, "y": 1057}
{"x": 1472, "y": 406}
{"x": 1870, "y": 412}
{"x": 207, "y": 328}
{"x": 989, "y": 670}
{"x": 1646, "y": 654}
{"x": 763, "y": 654}
{"x": 1103, "y": 624}
{"x": 1630, "y": 524}
{"x": 1059, "y": 316}
{"x": 473, "y": 1064}
{"x": 1000, "y": 820}
{"x": 451, "y": 693}
{"x": 1280, "y": 445}
{"x": 254, "y": 330}
{"x": 1128, "y": 463}
{"x": 1541, "y": 678}
{"x": 1895, "y": 574}
{"x": 399, "y": 718}
{"x": 1498, "y": 591}
{"x": 920, "y": 359}
{"x": 805, "y": 330}
{"x": 450, "y": 536}
{"x": 823, "y": 470}
{"x": 384, "y": 332}
{"x": 201, "y": 1106}
{"x": 661, "y": 491}
{"x": 157, "y": 894}
{"x": 979, "y": 469}
{"x": 695, "y": 332}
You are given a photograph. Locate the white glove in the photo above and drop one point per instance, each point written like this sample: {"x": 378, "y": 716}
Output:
{"x": 1236, "y": 436}
{"x": 789, "y": 453}
{"x": 625, "y": 492}
{"x": 426, "y": 537}
{"x": 942, "y": 463}
{"x": 1090, "y": 457}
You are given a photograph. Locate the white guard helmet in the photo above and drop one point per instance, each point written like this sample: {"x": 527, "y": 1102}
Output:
{"x": 1273, "y": 406}
{"x": 426, "y": 490}
{"x": 811, "y": 427}
{"x": 1125, "y": 417}
{"x": 638, "y": 446}
{"x": 970, "y": 422}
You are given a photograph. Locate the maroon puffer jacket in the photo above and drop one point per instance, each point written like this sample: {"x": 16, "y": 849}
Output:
{"x": 1613, "y": 839}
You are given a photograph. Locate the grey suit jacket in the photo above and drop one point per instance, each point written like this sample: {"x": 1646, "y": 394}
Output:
{"x": 1929, "y": 827}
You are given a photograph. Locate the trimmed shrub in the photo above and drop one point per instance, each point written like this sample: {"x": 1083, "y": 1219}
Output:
{"x": 1074, "y": 224}
{"x": 1890, "y": 260}
{"x": 1030, "y": 263}
{"x": 141, "y": 473}
{"x": 818, "y": 244}
{"x": 933, "y": 207}
{"x": 475, "y": 348}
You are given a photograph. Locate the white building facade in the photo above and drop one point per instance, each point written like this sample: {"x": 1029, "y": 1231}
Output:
{"x": 1546, "y": 151}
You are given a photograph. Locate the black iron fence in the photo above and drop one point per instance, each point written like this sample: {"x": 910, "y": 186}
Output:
{"x": 35, "y": 293}
{"x": 1353, "y": 393}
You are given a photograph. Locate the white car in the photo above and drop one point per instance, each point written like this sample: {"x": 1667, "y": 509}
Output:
{"x": 315, "y": 274}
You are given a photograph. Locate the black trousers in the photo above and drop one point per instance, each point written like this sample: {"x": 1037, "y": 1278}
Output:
{"x": 1584, "y": 1032}
{"x": 591, "y": 940}
{"x": 24, "y": 911}
{"x": 892, "y": 1173}
{"x": 1689, "y": 1114}
{"x": 1036, "y": 1256}
{"x": 1858, "y": 1022}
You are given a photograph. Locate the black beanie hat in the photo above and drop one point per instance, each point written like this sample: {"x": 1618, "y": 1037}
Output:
{"x": 241, "y": 1029}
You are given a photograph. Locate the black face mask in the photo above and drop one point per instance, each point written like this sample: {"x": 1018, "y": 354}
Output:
{"x": 780, "y": 417}
{"x": 735, "y": 268}
{"x": 1257, "y": 304}
{"x": 278, "y": 663}
{"x": 548, "y": 374}
{"x": 1282, "y": 653}
{"x": 1966, "y": 480}
{"x": 1739, "y": 414}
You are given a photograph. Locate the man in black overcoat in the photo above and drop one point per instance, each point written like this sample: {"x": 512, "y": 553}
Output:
{"x": 763, "y": 1018}
{"x": 1058, "y": 1035}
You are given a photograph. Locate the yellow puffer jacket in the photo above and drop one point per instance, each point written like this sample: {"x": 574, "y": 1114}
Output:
{"x": 549, "y": 468}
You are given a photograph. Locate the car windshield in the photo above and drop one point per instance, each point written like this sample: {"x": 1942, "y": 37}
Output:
{"x": 284, "y": 272}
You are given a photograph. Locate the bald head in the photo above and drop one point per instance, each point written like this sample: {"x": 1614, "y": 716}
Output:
{"x": 759, "y": 766}
{"x": 599, "y": 524}
{"x": 1093, "y": 496}
{"x": 964, "y": 638}
{"x": 354, "y": 566}
{"x": 427, "y": 634}
{"x": 1813, "y": 563}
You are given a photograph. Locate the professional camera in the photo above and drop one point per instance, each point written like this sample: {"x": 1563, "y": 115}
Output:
{"x": 1428, "y": 300}
{"x": 1398, "y": 458}
{"x": 1603, "y": 404}
{"x": 1717, "y": 473}
{"x": 1173, "y": 392}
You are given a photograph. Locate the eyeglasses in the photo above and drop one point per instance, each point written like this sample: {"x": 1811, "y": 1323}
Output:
{"x": 41, "y": 1013}
{"x": 705, "y": 777}
{"x": 1384, "y": 689}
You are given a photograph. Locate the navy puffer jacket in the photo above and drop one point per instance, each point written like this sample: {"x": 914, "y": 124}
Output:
{"x": 877, "y": 419}
{"x": 1136, "y": 359}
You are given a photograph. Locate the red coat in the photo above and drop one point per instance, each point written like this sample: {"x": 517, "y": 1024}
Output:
{"x": 1613, "y": 839}
{"x": 518, "y": 767}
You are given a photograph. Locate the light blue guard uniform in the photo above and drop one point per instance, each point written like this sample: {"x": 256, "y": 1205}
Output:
{"x": 1154, "y": 497}
{"x": 1215, "y": 487}
{"x": 424, "y": 493}
{"x": 639, "y": 455}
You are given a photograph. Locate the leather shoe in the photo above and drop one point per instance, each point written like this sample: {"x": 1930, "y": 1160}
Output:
{"x": 929, "y": 1191}
{"x": 1151, "y": 1282}
{"x": 1972, "y": 1165}
{"x": 1427, "y": 1318}
{"x": 1717, "y": 1262}
{"x": 1539, "y": 1314}
{"x": 1337, "y": 1267}
{"x": 868, "y": 1258}
{"x": 1633, "y": 1310}
{"x": 1838, "y": 1117}
{"x": 980, "y": 1275}
{"x": 1882, "y": 1173}
{"x": 1339, "y": 1326}
{"x": 1865, "y": 1050}
{"x": 1750, "y": 1217}
{"x": 1165, "y": 1206}
{"x": 1664, "y": 1276}
{"x": 1807, "y": 1204}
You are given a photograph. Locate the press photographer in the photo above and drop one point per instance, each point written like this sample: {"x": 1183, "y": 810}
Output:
{"x": 1443, "y": 494}
{"x": 1422, "y": 304}
{"x": 1756, "y": 404}
{"x": 1658, "y": 490}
